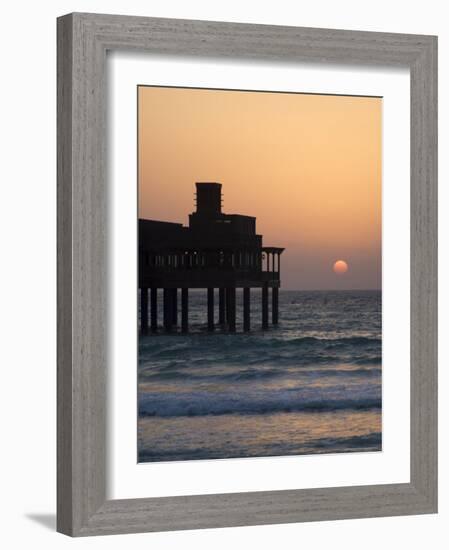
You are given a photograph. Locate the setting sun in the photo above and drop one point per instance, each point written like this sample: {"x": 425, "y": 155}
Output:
{"x": 340, "y": 267}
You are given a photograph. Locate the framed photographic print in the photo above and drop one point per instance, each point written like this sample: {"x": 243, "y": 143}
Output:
{"x": 246, "y": 274}
{"x": 259, "y": 360}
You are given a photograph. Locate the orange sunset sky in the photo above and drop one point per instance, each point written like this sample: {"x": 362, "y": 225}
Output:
{"x": 307, "y": 166}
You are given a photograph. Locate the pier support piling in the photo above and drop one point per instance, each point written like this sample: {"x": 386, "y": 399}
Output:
{"x": 168, "y": 309}
{"x": 153, "y": 297}
{"x": 246, "y": 309}
{"x": 221, "y": 306}
{"x": 230, "y": 308}
{"x": 265, "y": 307}
{"x": 185, "y": 309}
{"x": 144, "y": 310}
{"x": 210, "y": 309}
{"x": 275, "y": 305}
{"x": 174, "y": 306}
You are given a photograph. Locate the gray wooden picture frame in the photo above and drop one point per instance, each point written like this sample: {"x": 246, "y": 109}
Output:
{"x": 83, "y": 40}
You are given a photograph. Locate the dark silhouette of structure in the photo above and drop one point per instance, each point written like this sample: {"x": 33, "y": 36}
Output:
{"x": 216, "y": 250}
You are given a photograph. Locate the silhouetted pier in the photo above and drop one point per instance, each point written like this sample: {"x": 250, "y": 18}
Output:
{"x": 216, "y": 251}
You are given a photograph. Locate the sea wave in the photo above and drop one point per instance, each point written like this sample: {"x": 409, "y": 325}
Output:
{"x": 159, "y": 354}
{"x": 371, "y": 441}
{"x": 257, "y": 373}
{"x": 177, "y": 342}
{"x": 262, "y": 402}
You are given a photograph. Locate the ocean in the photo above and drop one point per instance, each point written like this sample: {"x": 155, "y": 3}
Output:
{"x": 313, "y": 384}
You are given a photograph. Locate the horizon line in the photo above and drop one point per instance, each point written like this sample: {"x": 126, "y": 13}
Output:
{"x": 332, "y": 289}
{"x": 313, "y": 289}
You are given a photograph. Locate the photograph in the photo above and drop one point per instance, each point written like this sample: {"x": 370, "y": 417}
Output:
{"x": 259, "y": 274}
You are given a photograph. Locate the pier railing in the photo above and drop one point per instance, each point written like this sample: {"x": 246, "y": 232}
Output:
{"x": 212, "y": 267}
